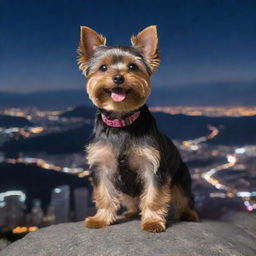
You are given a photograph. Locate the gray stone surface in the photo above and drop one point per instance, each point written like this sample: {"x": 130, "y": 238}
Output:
{"x": 207, "y": 238}
{"x": 3, "y": 243}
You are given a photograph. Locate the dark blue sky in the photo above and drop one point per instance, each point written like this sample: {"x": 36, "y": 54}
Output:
{"x": 202, "y": 41}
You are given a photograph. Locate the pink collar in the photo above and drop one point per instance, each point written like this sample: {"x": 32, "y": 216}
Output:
{"x": 120, "y": 122}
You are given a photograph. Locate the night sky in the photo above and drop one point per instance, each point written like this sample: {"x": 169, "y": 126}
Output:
{"x": 202, "y": 41}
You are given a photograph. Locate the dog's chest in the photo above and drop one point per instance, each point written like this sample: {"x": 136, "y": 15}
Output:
{"x": 127, "y": 180}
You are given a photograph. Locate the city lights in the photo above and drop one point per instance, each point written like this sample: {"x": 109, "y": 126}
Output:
{"x": 240, "y": 150}
{"x": 207, "y": 111}
{"x": 220, "y": 172}
{"x": 57, "y": 190}
{"x": 231, "y": 159}
{"x": 19, "y": 230}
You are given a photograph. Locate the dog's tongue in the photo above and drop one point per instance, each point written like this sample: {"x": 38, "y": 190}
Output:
{"x": 118, "y": 95}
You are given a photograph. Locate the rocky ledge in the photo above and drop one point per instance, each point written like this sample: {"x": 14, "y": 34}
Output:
{"x": 234, "y": 236}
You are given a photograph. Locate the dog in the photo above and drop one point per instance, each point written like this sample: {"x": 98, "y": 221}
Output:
{"x": 133, "y": 164}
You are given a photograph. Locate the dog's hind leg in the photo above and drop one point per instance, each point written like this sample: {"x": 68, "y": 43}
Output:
{"x": 181, "y": 195}
{"x": 182, "y": 204}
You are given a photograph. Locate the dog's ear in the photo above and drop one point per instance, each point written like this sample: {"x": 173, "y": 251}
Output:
{"x": 147, "y": 42}
{"x": 90, "y": 40}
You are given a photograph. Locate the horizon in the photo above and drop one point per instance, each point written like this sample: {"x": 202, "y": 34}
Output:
{"x": 221, "y": 94}
{"x": 161, "y": 87}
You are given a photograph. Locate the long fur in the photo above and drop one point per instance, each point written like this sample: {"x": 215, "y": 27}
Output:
{"x": 135, "y": 165}
{"x": 168, "y": 181}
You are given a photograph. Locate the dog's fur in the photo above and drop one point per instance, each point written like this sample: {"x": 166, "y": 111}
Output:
{"x": 135, "y": 165}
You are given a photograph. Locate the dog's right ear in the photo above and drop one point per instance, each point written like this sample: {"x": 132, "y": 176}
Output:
{"x": 90, "y": 40}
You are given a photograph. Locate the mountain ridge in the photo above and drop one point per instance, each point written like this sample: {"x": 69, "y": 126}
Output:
{"x": 237, "y": 131}
{"x": 203, "y": 94}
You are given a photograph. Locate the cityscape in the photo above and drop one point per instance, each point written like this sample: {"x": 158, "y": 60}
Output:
{"x": 224, "y": 175}
{"x": 202, "y": 97}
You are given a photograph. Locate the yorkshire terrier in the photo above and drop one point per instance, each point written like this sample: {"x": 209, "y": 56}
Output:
{"x": 132, "y": 163}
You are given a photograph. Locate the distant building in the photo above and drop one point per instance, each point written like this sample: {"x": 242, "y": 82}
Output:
{"x": 2, "y": 157}
{"x": 12, "y": 206}
{"x": 49, "y": 218}
{"x": 36, "y": 213}
{"x": 60, "y": 201}
{"x": 81, "y": 203}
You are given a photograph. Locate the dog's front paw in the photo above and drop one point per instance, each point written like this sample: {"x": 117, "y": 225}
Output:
{"x": 154, "y": 226}
{"x": 95, "y": 222}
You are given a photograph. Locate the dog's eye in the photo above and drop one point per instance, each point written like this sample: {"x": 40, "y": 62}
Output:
{"x": 103, "y": 68}
{"x": 132, "y": 67}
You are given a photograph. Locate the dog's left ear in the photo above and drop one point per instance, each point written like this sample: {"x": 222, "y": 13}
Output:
{"x": 147, "y": 42}
{"x": 90, "y": 40}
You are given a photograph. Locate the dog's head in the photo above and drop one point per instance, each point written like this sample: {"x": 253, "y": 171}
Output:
{"x": 118, "y": 77}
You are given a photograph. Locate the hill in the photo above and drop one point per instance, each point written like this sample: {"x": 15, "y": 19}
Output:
{"x": 14, "y": 121}
{"x": 53, "y": 143}
{"x": 233, "y": 130}
{"x": 80, "y": 111}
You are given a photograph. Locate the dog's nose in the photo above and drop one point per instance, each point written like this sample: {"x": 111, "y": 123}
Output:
{"x": 118, "y": 79}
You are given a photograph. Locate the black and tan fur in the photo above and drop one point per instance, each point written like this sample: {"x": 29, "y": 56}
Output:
{"x": 136, "y": 165}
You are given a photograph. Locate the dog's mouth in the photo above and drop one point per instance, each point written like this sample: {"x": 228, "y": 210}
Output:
{"x": 118, "y": 94}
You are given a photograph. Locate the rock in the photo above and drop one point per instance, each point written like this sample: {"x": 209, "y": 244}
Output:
{"x": 4, "y": 243}
{"x": 125, "y": 238}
